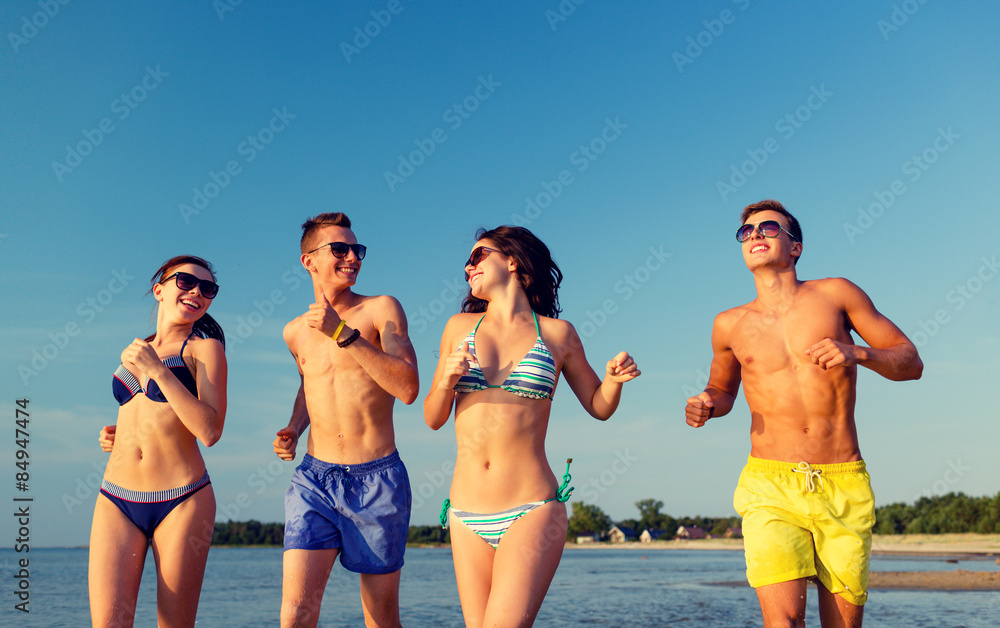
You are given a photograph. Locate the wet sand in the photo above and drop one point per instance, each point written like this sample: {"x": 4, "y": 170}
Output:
{"x": 981, "y": 552}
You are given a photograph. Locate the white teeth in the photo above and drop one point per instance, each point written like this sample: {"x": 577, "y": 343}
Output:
{"x": 759, "y": 247}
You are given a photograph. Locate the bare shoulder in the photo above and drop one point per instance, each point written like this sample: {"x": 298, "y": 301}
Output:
{"x": 459, "y": 326}
{"x": 840, "y": 290}
{"x": 292, "y": 330}
{"x": 727, "y": 319}
{"x": 206, "y": 348}
{"x": 383, "y": 305}
{"x": 557, "y": 330}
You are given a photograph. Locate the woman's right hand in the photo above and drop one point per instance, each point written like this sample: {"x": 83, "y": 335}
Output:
{"x": 107, "y": 437}
{"x": 456, "y": 365}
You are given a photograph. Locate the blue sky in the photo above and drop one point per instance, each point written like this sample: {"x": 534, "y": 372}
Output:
{"x": 628, "y": 137}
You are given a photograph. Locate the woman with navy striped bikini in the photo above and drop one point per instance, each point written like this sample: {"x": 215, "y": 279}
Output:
{"x": 500, "y": 362}
{"x": 171, "y": 391}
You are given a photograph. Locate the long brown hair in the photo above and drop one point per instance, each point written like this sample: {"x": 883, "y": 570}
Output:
{"x": 536, "y": 270}
{"x": 204, "y": 327}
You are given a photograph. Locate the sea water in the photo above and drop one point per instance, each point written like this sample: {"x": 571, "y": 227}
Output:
{"x": 602, "y": 587}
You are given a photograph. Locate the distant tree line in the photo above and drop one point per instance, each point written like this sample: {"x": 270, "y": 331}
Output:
{"x": 942, "y": 514}
{"x": 589, "y": 519}
{"x": 248, "y": 533}
{"x": 951, "y": 513}
{"x": 256, "y": 533}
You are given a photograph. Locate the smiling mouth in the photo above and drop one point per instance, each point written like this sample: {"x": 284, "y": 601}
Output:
{"x": 193, "y": 305}
{"x": 759, "y": 247}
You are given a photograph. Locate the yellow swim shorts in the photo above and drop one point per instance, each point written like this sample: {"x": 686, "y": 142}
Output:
{"x": 803, "y": 520}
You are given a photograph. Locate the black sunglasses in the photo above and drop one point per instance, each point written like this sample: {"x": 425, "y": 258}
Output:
{"x": 768, "y": 229}
{"x": 187, "y": 281}
{"x": 478, "y": 254}
{"x": 340, "y": 249}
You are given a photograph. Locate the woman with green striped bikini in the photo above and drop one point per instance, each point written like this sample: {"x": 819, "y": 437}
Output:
{"x": 506, "y": 511}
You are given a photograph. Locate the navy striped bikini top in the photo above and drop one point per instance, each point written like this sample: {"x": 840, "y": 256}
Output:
{"x": 125, "y": 385}
{"x": 534, "y": 377}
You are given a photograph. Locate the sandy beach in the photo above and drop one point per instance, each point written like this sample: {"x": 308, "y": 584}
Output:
{"x": 981, "y": 552}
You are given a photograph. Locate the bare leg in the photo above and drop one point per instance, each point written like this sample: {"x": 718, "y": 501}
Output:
{"x": 180, "y": 547}
{"x": 836, "y": 612}
{"x": 525, "y": 563}
{"x": 302, "y": 586}
{"x": 380, "y": 599}
{"x": 783, "y": 604}
{"x": 473, "y": 558}
{"x": 117, "y": 555}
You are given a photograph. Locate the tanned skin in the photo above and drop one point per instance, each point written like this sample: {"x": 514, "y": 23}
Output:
{"x": 792, "y": 348}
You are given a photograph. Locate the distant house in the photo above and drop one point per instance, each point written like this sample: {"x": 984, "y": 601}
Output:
{"x": 587, "y": 538}
{"x": 690, "y": 532}
{"x": 651, "y": 534}
{"x": 733, "y": 533}
{"x": 621, "y": 534}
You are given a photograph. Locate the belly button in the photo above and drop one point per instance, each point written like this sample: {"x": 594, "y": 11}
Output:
{"x": 487, "y": 465}
{"x": 340, "y": 435}
{"x": 140, "y": 454}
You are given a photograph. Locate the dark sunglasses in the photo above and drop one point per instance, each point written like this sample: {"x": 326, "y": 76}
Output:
{"x": 340, "y": 249}
{"x": 187, "y": 281}
{"x": 478, "y": 254}
{"x": 768, "y": 229}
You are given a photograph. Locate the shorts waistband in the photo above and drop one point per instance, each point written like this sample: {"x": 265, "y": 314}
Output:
{"x": 363, "y": 468}
{"x": 763, "y": 464}
{"x": 151, "y": 497}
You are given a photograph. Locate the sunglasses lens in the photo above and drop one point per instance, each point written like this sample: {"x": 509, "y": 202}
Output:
{"x": 743, "y": 233}
{"x": 359, "y": 251}
{"x": 770, "y": 228}
{"x": 208, "y": 289}
{"x": 475, "y": 258}
{"x": 186, "y": 281}
{"x": 339, "y": 249}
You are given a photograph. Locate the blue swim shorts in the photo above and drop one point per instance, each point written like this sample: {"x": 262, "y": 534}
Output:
{"x": 361, "y": 509}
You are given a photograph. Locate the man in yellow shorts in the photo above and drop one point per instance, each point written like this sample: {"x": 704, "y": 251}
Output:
{"x": 804, "y": 495}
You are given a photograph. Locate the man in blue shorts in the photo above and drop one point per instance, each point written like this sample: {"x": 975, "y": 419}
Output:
{"x": 351, "y": 495}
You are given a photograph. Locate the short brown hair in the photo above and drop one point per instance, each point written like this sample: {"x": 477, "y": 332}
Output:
{"x": 794, "y": 229}
{"x": 311, "y": 226}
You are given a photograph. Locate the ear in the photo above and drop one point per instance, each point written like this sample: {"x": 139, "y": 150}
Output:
{"x": 797, "y": 249}
{"x": 307, "y": 262}
{"x": 158, "y": 291}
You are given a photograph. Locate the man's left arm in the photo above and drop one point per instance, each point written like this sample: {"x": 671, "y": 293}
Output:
{"x": 394, "y": 366}
{"x": 889, "y": 352}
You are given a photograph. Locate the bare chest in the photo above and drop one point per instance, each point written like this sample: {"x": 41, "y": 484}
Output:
{"x": 769, "y": 340}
